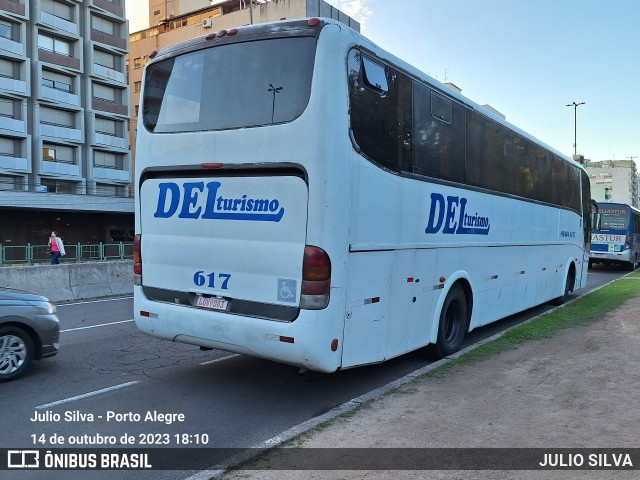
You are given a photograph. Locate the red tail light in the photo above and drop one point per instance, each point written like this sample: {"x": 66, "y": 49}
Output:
{"x": 137, "y": 260}
{"x": 316, "y": 278}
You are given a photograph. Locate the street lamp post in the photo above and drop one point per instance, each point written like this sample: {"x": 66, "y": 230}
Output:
{"x": 575, "y": 125}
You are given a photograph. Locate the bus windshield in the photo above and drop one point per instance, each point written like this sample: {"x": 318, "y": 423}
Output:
{"x": 230, "y": 86}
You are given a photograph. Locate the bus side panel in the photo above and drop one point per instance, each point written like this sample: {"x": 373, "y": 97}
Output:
{"x": 368, "y": 300}
{"x": 419, "y": 324}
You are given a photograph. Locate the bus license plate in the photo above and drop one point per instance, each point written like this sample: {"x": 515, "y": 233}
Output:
{"x": 212, "y": 303}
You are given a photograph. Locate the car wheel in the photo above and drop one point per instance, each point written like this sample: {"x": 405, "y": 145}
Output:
{"x": 16, "y": 352}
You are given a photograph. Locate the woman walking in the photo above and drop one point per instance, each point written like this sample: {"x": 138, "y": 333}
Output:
{"x": 57, "y": 248}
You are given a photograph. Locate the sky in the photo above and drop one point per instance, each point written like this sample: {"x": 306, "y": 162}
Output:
{"x": 527, "y": 59}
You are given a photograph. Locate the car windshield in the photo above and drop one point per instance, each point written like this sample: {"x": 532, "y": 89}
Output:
{"x": 230, "y": 86}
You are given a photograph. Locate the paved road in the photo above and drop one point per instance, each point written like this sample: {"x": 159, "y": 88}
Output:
{"x": 106, "y": 365}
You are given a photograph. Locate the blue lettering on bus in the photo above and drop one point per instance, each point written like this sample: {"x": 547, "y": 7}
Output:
{"x": 203, "y": 201}
{"x": 449, "y": 215}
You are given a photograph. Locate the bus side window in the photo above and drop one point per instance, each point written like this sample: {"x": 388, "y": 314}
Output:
{"x": 374, "y": 75}
{"x": 380, "y": 112}
{"x": 438, "y": 135}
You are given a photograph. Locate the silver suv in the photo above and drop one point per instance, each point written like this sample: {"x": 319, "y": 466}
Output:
{"x": 29, "y": 329}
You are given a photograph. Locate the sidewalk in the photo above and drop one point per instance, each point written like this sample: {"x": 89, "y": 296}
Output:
{"x": 579, "y": 389}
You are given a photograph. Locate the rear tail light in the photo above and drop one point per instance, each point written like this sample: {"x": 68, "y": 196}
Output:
{"x": 137, "y": 260}
{"x": 316, "y": 278}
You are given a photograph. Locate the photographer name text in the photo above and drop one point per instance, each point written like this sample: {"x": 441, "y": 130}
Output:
{"x": 77, "y": 416}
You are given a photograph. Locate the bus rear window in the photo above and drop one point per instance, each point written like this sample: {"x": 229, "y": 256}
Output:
{"x": 614, "y": 220}
{"x": 230, "y": 86}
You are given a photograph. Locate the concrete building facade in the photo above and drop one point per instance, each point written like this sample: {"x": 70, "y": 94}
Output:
{"x": 185, "y": 21}
{"x": 64, "y": 121}
{"x": 614, "y": 181}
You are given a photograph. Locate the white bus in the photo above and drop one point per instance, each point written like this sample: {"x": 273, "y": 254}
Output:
{"x": 306, "y": 197}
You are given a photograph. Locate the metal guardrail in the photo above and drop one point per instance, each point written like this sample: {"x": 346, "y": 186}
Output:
{"x": 35, "y": 254}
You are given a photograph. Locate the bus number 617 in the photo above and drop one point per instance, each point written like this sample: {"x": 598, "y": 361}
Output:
{"x": 202, "y": 279}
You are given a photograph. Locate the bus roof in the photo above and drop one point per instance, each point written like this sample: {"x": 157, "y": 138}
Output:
{"x": 309, "y": 25}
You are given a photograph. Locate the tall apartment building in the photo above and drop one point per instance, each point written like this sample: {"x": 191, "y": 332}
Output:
{"x": 64, "y": 121}
{"x": 173, "y": 21}
{"x": 614, "y": 181}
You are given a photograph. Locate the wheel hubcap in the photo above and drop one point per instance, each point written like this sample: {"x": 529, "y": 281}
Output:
{"x": 13, "y": 353}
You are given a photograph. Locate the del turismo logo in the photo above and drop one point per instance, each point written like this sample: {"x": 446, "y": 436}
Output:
{"x": 200, "y": 200}
{"x": 449, "y": 216}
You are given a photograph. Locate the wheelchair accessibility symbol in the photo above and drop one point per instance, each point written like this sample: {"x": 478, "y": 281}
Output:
{"x": 287, "y": 290}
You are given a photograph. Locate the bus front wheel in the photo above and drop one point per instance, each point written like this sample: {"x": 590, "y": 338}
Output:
{"x": 452, "y": 326}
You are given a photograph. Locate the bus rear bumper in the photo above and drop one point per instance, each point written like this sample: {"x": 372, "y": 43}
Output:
{"x": 306, "y": 342}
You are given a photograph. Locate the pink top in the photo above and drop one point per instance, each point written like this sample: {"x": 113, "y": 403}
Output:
{"x": 54, "y": 245}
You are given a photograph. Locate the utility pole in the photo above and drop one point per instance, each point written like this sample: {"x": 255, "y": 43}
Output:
{"x": 575, "y": 125}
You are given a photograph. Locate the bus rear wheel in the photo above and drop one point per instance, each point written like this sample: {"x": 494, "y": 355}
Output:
{"x": 568, "y": 287}
{"x": 452, "y": 326}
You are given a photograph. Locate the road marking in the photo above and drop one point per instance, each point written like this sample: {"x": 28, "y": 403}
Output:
{"x": 220, "y": 359}
{"x": 87, "y": 395}
{"x": 96, "y": 326}
{"x": 60, "y": 305}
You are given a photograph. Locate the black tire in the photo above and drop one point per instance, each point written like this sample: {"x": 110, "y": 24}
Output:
{"x": 453, "y": 324}
{"x": 569, "y": 283}
{"x": 16, "y": 352}
{"x": 590, "y": 264}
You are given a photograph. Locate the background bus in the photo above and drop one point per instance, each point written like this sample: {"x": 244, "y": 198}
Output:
{"x": 306, "y": 197}
{"x": 616, "y": 235}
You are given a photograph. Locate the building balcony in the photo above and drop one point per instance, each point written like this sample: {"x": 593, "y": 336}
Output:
{"x": 60, "y": 96}
{"x": 109, "y": 7}
{"x": 57, "y": 59}
{"x": 12, "y": 125}
{"x": 111, "y": 174}
{"x": 11, "y": 46}
{"x": 110, "y": 107}
{"x": 59, "y": 23}
{"x": 11, "y": 85}
{"x": 15, "y": 164}
{"x": 59, "y": 168}
{"x": 12, "y": 7}
{"x": 61, "y": 133}
{"x": 109, "y": 140}
{"x": 110, "y": 73}
{"x": 107, "y": 39}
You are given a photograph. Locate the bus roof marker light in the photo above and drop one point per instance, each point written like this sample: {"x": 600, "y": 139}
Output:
{"x": 211, "y": 36}
{"x": 222, "y": 33}
{"x": 153, "y": 54}
{"x": 313, "y": 22}
{"x": 232, "y": 32}
{"x": 211, "y": 165}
